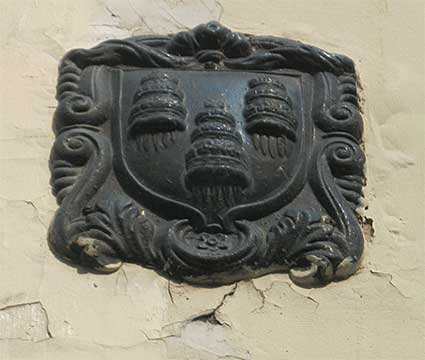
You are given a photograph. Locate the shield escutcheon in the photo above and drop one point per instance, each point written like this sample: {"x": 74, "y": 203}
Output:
{"x": 211, "y": 146}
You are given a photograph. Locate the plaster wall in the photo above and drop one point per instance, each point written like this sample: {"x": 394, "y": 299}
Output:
{"x": 51, "y": 311}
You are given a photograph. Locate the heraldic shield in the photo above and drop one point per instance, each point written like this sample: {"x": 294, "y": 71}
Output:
{"x": 210, "y": 156}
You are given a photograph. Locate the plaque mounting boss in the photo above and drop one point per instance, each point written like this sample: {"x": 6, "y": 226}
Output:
{"x": 210, "y": 156}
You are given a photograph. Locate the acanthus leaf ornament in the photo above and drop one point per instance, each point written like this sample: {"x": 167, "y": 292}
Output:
{"x": 210, "y": 156}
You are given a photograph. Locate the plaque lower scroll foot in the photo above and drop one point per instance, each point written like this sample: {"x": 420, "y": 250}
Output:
{"x": 97, "y": 255}
{"x": 95, "y": 238}
{"x": 83, "y": 250}
{"x": 319, "y": 271}
{"x": 316, "y": 252}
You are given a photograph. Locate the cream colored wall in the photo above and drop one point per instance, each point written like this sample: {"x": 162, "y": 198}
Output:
{"x": 50, "y": 311}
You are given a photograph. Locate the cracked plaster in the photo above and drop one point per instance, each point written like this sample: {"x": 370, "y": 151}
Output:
{"x": 49, "y": 310}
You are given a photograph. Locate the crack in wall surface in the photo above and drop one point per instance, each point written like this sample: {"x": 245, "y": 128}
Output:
{"x": 209, "y": 315}
{"x": 201, "y": 333}
{"x": 389, "y": 277}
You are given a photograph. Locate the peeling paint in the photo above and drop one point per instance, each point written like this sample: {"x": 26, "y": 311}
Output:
{"x": 27, "y": 322}
{"x": 51, "y": 311}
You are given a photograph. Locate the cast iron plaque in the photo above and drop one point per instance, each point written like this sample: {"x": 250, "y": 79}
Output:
{"x": 210, "y": 156}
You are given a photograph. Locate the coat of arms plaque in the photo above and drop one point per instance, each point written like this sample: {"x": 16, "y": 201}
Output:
{"x": 210, "y": 156}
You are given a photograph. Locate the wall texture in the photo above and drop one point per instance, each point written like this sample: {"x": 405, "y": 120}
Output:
{"x": 49, "y": 310}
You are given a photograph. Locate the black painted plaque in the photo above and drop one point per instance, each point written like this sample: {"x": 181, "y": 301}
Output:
{"x": 210, "y": 156}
